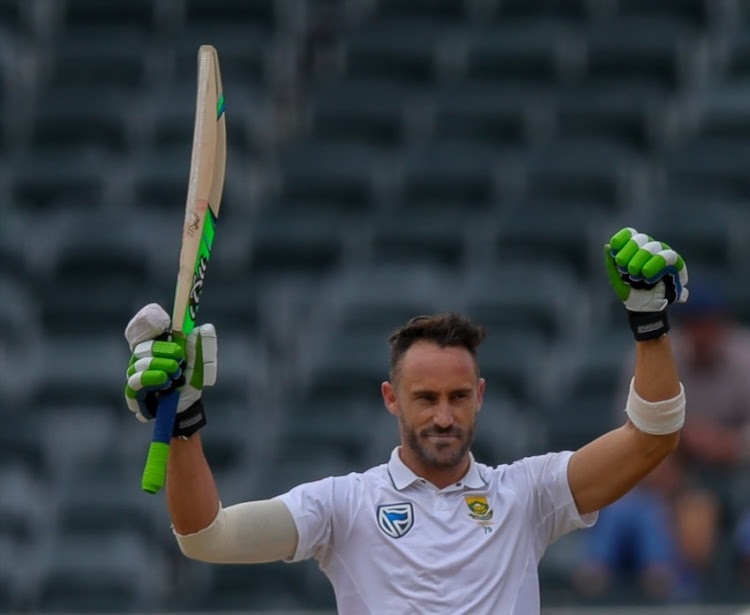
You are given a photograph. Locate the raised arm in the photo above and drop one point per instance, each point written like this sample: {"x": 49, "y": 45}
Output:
{"x": 245, "y": 533}
{"x": 647, "y": 276}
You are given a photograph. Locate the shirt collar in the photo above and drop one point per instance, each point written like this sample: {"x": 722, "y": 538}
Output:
{"x": 402, "y": 476}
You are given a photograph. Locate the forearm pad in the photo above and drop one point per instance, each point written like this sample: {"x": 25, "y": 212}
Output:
{"x": 247, "y": 533}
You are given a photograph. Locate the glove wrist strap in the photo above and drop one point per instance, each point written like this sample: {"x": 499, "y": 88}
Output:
{"x": 648, "y": 325}
{"x": 189, "y": 420}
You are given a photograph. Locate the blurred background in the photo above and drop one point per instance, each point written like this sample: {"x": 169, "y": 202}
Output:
{"x": 386, "y": 158}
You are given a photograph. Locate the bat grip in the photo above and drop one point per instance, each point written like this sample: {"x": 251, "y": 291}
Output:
{"x": 155, "y": 471}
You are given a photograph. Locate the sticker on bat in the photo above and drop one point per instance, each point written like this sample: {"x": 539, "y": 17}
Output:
{"x": 195, "y": 291}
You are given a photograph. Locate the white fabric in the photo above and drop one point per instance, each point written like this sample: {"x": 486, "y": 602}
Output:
{"x": 247, "y": 533}
{"x": 658, "y": 418}
{"x": 447, "y": 562}
{"x": 149, "y": 323}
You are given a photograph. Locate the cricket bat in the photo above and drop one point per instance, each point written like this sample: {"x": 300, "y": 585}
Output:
{"x": 205, "y": 185}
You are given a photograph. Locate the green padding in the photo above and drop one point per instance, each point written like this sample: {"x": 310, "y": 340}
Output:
{"x": 156, "y": 464}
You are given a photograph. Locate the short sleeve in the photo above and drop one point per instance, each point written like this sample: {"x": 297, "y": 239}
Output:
{"x": 311, "y": 506}
{"x": 551, "y": 505}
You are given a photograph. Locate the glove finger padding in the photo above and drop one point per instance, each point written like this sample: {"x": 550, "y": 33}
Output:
{"x": 202, "y": 353}
{"x": 150, "y": 322}
{"x": 647, "y": 276}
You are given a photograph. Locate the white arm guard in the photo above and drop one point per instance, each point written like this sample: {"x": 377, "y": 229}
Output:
{"x": 658, "y": 418}
{"x": 247, "y": 533}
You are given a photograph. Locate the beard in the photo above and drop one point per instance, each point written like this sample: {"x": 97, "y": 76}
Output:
{"x": 444, "y": 455}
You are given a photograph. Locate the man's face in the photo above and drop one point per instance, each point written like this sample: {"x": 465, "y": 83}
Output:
{"x": 436, "y": 395}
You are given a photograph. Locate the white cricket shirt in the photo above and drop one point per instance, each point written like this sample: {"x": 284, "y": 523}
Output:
{"x": 391, "y": 543}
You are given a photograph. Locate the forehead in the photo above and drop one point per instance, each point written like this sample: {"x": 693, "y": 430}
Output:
{"x": 426, "y": 363}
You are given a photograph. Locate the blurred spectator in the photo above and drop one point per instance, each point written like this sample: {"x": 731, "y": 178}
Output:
{"x": 713, "y": 354}
{"x": 742, "y": 549}
{"x": 664, "y": 536}
{"x": 635, "y": 545}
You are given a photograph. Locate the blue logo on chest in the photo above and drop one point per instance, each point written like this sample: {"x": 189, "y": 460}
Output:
{"x": 396, "y": 519}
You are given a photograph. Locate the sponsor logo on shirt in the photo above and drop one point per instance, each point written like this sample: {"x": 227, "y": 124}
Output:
{"x": 396, "y": 519}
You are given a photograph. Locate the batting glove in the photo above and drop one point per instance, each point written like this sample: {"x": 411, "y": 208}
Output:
{"x": 647, "y": 276}
{"x": 159, "y": 365}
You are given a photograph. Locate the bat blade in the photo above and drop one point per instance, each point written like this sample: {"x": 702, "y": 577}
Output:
{"x": 205, "y": 187}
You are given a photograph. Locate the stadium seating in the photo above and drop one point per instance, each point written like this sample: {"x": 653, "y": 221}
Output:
{"x": 449, "y": 155}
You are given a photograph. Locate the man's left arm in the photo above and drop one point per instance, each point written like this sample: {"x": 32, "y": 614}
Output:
{"x": 647, "y": 276}
{"x": 607, "y": 468}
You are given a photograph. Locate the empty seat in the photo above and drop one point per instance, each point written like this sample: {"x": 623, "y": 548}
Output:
{"x": 506, "y": 430}
{"x": 82, "y": 575}
{"x": 105, "y": 507}
{"x": 497, "y": 114}
{"x": 301, "y": 244}
{"x": 42, "y": 177}
{"x": 20, "y": 445}
{"x": 529, "y": 53}
{"x": 697, "y": 12}
{"x": 573, "y": 422}
{"x": 438, "y": 240}
{"x": 711, "y": 168}
{"x": 624, "y": 114}
{"x": 509, "y": 358}
{"x": 737, "y": 52}
{"x": 22, "y": 503}
{"x": 524, "y": 295}
{"x": 460, "y": 172}
{"x": 558, "y": 233}
{"x": 706, "y": 241}
{"x": 62, "y": 119}
{"x": 399, "y": 50}
{"x": 74, "y": 435}
{"x": 349, "y": 366}
{"x": 251, "y": 12}
{"x": 99, "y": 56}
{"x": 269, "y": 586}
{"x": 358, "y": 110}
{"x": 448, "y": 10}
{"x": 524, "y": 9}
{"x": 160, "y": 176}
{"x": 75, "y": 368}
{"x": 641, "y": 49}
{"x": 320, "y": 172}
{"x": 722, "y": 112}
{"x": 137, "y": 13}
{"x": 577, "y": 170}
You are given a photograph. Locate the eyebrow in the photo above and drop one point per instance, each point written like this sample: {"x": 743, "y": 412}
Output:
{"x": 420, "y": 392}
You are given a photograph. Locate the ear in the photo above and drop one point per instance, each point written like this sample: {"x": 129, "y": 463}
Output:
{"x": 480, "y": 394}
{"x": 389, "y": 397}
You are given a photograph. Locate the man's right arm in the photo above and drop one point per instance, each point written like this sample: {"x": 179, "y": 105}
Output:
{"x": 192, "y": 497}
{"x": 250, "y": 532}
{"x": 245, "y": 533}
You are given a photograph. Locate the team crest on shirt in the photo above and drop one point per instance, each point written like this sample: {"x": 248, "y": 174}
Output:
{"x": 396, "y": 519}
{"x": 479, "y": 508}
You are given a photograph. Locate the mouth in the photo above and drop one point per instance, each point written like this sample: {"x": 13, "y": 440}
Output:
{"x": 442, "y": 438}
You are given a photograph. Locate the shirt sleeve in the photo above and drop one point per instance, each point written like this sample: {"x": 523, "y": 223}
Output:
{"x": 312, "y": 508}
{"x": 551, "y": 503}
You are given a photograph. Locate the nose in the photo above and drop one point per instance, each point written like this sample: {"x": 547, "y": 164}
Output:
{"x": 443, "y": 416}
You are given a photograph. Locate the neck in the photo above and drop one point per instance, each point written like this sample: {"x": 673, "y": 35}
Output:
{"x": 437, "y": 475}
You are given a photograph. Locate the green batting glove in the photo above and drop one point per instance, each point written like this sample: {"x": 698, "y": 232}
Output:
{"x": 647, "y": 276}
{"x": 159, "y": 365}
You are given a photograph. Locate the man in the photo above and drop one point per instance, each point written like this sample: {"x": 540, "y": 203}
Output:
{"x": 431, "y": 531}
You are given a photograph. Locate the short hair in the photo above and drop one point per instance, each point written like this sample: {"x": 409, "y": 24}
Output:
{"x": 445, "y": 330}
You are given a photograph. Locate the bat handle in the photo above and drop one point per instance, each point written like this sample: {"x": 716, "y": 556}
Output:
{"x": 155, "y": 471}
